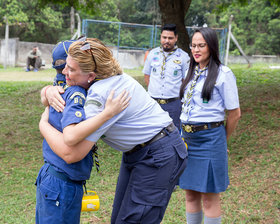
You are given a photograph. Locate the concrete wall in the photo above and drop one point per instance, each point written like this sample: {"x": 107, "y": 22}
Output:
{"x": 18, "y": 50}
{"x": 269, "y": 59}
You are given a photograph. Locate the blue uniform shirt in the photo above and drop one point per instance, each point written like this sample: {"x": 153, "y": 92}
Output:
{"x": 74, "y": 97}
{"x": 138, "y": 123}
{"x": 168, "y": 85}
{"x": 59, "y": 80}
{"x": 224, "y": 96}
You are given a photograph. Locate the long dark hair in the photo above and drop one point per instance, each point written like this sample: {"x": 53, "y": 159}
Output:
{"x": 211, "y": 39}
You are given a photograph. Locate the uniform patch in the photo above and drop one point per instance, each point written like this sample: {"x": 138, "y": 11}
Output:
{"x": 175, "y": 72}
{"x": 156, "y": 59}
{"x": 177, "y": 62}
{"x": 94, "y": 102}
{"x": 78, "y": 114}
{"x": 77, "y": 94}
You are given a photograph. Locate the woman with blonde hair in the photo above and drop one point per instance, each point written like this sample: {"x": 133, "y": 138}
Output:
{"x": 154, "y": 154}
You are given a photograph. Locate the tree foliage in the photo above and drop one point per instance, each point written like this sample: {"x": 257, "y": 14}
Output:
{"x": 256, "y": 23}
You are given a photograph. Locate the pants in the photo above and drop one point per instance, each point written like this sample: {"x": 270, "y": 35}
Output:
{"x": 34, "y": 62}
{"x": 147, "y": 179}
{"x": 174, "y": 110}
{"x": 57, "y": 201}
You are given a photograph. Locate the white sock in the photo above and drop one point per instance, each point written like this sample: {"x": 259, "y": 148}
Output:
{"x": 194, "y": 218}
{"x": 216, "y": 220}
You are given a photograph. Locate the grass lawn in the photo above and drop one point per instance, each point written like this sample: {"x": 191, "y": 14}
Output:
{"x": 252, "y": 197}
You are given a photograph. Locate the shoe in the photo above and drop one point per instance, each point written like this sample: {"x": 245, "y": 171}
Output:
{"x": 35, "y": 70}
{"x": 27, "y": 70}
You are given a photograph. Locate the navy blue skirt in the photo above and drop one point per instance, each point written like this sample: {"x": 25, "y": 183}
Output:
{"x": 207, "y": 164}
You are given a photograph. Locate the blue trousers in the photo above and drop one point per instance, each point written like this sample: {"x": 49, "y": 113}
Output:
{"x": 57, "y": 201}
{"x": 174, "y": 110}
{"x": 147, "y": 179}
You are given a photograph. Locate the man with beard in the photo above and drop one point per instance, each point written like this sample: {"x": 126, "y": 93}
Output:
{"x": 164, "y": 70}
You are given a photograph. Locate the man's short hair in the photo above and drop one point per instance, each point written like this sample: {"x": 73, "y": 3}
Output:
{"x": 169, "y": 27}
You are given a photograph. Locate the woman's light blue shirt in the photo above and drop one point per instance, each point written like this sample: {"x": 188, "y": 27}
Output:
{"x": 224, "y": 97}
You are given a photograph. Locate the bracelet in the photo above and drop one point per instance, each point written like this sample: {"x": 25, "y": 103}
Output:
{"x": 46, "y": 90}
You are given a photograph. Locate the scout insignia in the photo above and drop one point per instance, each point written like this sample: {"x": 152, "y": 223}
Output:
{"x": 156, "y": 59}
{"x": 78, "y": 114}
{"x": 177, "y": 62}
{"x": 175, "y": 72}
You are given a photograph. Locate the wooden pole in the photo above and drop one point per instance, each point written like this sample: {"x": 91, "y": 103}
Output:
{"x": 228, "y": 39}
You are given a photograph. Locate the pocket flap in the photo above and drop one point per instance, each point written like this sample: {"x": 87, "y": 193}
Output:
{"x": 181, "y": 149}
{"x": 48, "y": 193}
{"x": 149, "y": 196}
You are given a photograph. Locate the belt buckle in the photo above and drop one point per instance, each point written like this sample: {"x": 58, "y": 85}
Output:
{"x": 162, "y": 101}
{"x": 188, "y": 128}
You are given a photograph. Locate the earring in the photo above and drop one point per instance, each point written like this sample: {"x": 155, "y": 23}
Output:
{"x": 88, "y": 81}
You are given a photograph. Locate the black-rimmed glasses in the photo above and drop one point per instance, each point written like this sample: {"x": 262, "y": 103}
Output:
{"x": 86, "y": 47}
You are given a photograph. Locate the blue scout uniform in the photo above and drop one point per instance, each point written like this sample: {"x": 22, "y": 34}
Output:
{"x": 166, "y": 71}
{"x": 59, "y": 185}
{"x": 59, "y": 80}
{"x": 148, "y": 171}
{"x": 207, "y": 168}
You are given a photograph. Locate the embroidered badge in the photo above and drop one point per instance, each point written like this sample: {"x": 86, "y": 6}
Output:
{"x": 154, "y": 69}
{"x": 175, "y": 72}
{"x": 94, "y": 102}
{"x": 77, "y": 94}
{"x": 177, "y": 61}
{"x": 156, "y": 59}
{"x": 78, "y": 114}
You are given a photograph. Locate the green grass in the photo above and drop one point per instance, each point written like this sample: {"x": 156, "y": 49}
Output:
{"x": 253, "y": 195}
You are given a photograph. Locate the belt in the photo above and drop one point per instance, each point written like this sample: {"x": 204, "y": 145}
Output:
{"x": 165, "y": 101}
{"x": 158, "y": 136}
{"x": 194, "y": 128}
{"x": 63, "y": 176}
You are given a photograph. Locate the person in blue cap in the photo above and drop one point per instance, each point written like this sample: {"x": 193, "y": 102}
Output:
{"x": 59, "y": 55}
{"x": 154, "y": 154}
{"x": 60, "y": 184}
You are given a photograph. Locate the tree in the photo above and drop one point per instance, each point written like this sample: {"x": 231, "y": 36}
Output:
{"x": 29, "y": 22}
{"x": 174, "y": 11}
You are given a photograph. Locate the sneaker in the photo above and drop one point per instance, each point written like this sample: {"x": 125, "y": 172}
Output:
{"x": 35, "y": 70}
{"x": 27, "y": 70}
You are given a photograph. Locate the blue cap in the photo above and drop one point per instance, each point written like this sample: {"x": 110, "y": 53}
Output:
{"x": 60, "y": 51}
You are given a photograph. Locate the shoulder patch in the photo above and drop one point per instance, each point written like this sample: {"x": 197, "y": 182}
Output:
{"x": 94, "y": 102}
{"x": 77, "y": 94}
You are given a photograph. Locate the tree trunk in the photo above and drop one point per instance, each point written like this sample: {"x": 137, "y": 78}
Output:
{"x": 174, "y": 11}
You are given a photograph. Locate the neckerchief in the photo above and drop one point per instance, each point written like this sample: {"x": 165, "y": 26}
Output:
{"x": 164, "y": 60}
{"x": 197, "y": 73}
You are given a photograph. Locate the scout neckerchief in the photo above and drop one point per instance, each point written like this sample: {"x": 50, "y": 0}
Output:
{"x": 197, "y": 73}
{"x": 95, "y": 156}
{"x": 165, "y": 59}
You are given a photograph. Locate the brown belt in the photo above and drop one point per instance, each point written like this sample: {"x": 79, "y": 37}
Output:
{"x": 165, "y": 101}
{"x": 158, "y": 136}
{"x": 194, "y": 128}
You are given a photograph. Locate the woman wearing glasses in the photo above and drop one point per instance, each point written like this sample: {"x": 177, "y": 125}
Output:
{"x": 207, "y": 92}
{"x": 153, "y": 153}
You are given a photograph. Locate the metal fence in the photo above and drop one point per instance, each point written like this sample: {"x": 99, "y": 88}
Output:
{"x": 135, "y": 36}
